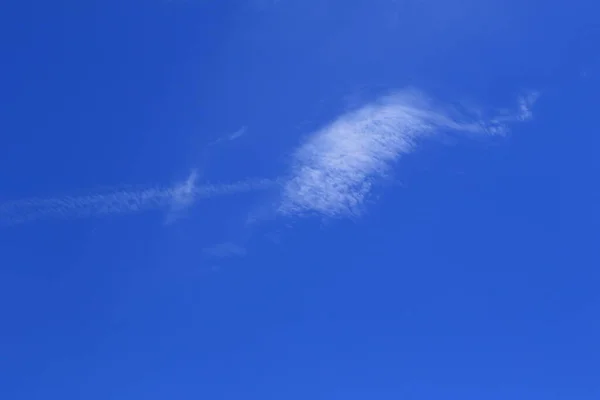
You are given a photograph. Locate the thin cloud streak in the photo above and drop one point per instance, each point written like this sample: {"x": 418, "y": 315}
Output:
{"x": 333, "y": 172}
{"x": 121, "y": 201}
{"x": 237, "y": 134}
{"x": 231, "y": 137}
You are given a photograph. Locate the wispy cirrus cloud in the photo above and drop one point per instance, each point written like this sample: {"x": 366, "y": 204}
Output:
{"x": 333, "y": 172}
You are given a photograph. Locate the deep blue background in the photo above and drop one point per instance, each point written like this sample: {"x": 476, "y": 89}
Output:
{"x": 477, "y": 278}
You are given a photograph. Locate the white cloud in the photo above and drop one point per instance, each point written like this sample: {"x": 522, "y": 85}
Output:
{"x": 122, "y": 201}
{"x": 333, "y": 171}
{"x": 501, "y": 122}
{"x": 230, "y": 137}
{"x": 526, "y": 102}
{"x": 331, "y": 174}
{"x": 183, "y": 194}
{"x": 237, "y": 134}
{"x": 182, "y": 197}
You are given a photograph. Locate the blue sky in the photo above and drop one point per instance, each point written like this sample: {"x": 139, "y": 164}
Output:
{"x": 255, "y": 199}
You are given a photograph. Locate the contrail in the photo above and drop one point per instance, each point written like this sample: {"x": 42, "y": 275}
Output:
{"x": 122, "y": 201}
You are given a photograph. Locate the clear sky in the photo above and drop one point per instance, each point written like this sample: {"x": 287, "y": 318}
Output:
{"x": 299, "y": 199}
